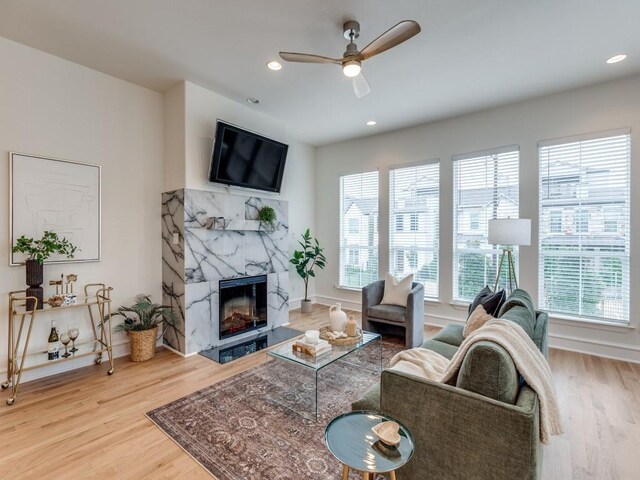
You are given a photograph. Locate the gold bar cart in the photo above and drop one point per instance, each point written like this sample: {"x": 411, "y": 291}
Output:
{"x": 97, "y": 299}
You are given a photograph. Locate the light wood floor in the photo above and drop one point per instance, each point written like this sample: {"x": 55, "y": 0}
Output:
{"x": 86, "y": 425}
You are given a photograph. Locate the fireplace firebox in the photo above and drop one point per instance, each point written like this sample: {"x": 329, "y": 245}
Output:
{"x": 243, "y": 305}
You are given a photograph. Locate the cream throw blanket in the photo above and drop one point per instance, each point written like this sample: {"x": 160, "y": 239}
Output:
{"x": 528, "y": 360}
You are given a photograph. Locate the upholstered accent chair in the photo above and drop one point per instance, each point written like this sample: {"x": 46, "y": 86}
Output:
{"x": 405, "y": 321}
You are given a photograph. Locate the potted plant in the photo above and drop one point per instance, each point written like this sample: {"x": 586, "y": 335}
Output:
{"x": 38, "y": 251}
{"x": 141, "y": 321}
{"x": 305, "y": 260}
{"x": 267, "y": 217}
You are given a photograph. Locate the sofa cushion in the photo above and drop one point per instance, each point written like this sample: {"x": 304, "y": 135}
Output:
{"x": 451, "y": 334}
{"x": 370, "y": 401}
{"x": 540, "y": 337}
{"x": 489, "y": 300}
{"x": 444, "y": 349}
{"x": 476, "y": 320}
{"x": 519, "y": 309}
{"x": 392, "y": 313}
{"x": 488, "y": 369}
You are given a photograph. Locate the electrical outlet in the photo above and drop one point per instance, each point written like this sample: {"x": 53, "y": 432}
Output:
{"x": 176, "y": 238}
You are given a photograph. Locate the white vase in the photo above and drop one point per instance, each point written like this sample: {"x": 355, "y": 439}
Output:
{"x": 337, "y": 318}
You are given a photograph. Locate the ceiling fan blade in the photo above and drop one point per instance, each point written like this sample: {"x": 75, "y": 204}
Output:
{"x": 397, "y": 34}
{"x": 360, "y": 85}
{"x": 307, "y": 58}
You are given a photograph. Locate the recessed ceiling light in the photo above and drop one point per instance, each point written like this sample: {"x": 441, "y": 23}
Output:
{"x": 617, "y": 58}
{"x": 273, "y": 65}
{"x": 371, "y": 123}
{"x": 253, "y": 101}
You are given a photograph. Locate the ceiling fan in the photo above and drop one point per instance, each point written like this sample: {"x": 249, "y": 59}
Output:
{"x": 352, "y": 59}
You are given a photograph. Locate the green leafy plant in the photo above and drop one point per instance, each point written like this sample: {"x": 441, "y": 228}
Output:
{"x": 144, "y": 315}
{"x": 40, "y": 250}
{"x": 307, "y": 259}
{"x": 267, "y": 216}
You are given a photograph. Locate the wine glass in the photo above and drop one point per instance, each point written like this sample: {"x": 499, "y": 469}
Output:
{"x": 73, "y": 334}
{"x": 65, "y": 339}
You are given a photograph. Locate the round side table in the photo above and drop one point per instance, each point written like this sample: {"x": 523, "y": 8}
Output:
{"x": 349, "y": 438}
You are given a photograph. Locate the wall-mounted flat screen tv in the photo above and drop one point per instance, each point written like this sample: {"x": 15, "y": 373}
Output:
{"x": 246, "y": 159}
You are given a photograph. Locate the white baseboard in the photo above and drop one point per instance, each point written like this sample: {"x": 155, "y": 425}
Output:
{"x": 625, "y": 353}
{"x": 346, "y": 304}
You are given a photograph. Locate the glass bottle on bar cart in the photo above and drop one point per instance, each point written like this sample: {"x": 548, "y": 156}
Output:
{"x": 53, "y": 352}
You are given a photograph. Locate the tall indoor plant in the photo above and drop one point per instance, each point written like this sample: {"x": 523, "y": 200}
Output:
{"x": 305, "y": 260}
{"x": 141, "y": 322}
{"x": 38, "y": 251}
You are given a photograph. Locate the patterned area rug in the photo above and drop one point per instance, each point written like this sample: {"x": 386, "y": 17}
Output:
{"x": 239, "y": 429}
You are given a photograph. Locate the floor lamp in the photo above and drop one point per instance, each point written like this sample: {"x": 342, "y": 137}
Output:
{"x": 509, "y": 232}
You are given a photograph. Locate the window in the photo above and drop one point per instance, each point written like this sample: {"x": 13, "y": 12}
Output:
{"x": 582, "y": 221}
{"x": 359, "y": 203}
{"x": 585, "y": 272}
{"x": 474, "y": 221}
{"x": 610, "y": 225}
{"x": 354, "y": 225}
{"x": 555, "y": 221}
{"x": 484, "y": 184}
{"x": 414, "y": 222}
{"x": 399, "y": 222}
{"x": 415, "y": 191}
{"x": 399, "y": 266}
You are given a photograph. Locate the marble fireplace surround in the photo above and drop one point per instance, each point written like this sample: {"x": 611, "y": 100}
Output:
{"x": 196, "y": 258}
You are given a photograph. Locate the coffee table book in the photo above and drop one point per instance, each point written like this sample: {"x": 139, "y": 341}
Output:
{"x": 314, "y": 350}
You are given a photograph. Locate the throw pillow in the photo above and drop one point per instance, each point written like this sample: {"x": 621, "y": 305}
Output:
{"x": 396, "y": 291}
{"x": 476, "y": 320}
{"x": 489, "y": 300}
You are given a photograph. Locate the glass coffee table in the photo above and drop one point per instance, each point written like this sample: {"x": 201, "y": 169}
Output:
{"x": 304, "y": 401}
{"x": 349, "y": 438}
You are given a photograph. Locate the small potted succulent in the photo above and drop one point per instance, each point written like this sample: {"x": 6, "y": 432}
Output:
{"x": 305, "y": 261}
{"x": 38, "y": 251}
{"x": 141, "y": 323}
{"x": 267, "y": 217}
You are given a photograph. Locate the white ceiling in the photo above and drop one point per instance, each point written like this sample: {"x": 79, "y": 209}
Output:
{"x": 471, "y": 54}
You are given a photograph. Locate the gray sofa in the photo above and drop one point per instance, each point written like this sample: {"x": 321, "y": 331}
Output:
{"x": 392, "y": 319}
{"x": 486, "y": 427}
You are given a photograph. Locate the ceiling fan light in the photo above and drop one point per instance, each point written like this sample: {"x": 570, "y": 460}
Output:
{"x": 351, "y": 68}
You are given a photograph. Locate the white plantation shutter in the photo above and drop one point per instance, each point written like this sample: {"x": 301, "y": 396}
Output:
{"x": 358, "y": 229}
{"x": 485, "y": 186}
{"x": 414, "y": 203}
{"x": 584, "y": 226}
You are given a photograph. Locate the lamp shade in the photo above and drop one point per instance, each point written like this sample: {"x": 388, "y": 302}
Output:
{"x": 510, "y": 231}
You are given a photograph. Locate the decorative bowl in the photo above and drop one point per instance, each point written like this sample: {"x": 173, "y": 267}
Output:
{"x": 387, "y": 432}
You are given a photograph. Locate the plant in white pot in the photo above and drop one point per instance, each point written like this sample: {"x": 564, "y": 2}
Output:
{"x": 305, "y": 261}
{"x": 141, "y": 322}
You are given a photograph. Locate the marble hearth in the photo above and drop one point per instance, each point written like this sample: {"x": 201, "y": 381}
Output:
{"x": 195, "y": 258}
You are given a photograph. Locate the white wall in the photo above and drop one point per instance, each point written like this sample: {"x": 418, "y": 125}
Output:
{"x": 201, "y": 108}
{"x": 55, "y": 108}
{"x": 597, "y": 108}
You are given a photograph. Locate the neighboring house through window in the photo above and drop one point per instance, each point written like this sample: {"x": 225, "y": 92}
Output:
{"x": 358, "y": 229}
{"x": 585, "y": 272}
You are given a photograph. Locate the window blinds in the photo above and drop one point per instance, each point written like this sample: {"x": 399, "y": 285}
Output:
{"x": 414, "y": 208}
{"x": 584, "y": 227}
{"x": 485, "y": 186}
{"x": 358, "y": 229}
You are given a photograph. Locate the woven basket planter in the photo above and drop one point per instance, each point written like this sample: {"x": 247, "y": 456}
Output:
{"x": 143, "y": 344}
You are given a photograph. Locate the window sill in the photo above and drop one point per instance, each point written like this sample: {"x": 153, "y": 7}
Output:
{"x": 460, "y": 305}
{"x": 587, "y": 323}
{"x": 347, "y": 289}
{"x": 431, "y": 301}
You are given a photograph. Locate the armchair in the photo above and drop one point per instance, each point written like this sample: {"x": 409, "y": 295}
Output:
{"x": 392, "y": 319}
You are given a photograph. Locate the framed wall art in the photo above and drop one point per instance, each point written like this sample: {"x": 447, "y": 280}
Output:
{"x": 57, "y": 195}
